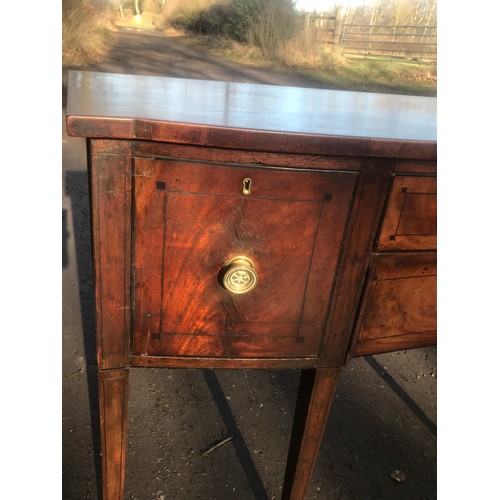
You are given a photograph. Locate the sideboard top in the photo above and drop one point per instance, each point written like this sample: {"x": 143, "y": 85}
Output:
{"x": 256, "y": 116}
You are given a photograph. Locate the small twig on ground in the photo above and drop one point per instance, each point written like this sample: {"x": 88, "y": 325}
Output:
{"x": 218, "y": 444}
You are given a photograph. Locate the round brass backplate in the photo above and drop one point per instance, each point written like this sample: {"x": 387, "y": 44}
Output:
{"x": 240, "y": 276}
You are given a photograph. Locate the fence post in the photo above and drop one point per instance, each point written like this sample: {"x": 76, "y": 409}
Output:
{"x": 339, "y": 25}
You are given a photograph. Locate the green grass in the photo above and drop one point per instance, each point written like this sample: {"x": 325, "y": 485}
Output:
{"x": 382, "y": 76}
{"x": 331, "y": 67}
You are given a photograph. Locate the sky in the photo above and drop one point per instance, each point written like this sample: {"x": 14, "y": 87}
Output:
{"x": 326, "y": 5}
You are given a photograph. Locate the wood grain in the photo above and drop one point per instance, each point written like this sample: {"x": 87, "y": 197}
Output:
{"x": 255, "y": 158}
{"x": 365, "y": 216}
{"x": 113, "y": 404}
{"x": 256, "y": 117}
{"x": 111, "y": 207}
{"x": 252, "y": 106}
{"x": 399, "y": 309}
{"x": 314, "y": 398}
{"x": 227, "y": 363}
{"x": 410, "y": 222}
{"x": 291, "y": 225}
{"x": 415, "y": 166}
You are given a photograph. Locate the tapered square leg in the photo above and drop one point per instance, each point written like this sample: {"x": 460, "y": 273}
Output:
{"x": 314, "y": 398}
{"x": 113, "y": 405}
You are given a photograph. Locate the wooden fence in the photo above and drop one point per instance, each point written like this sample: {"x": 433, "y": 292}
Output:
{"x": 408, "y": 42}
{"x": 418, "y": 43}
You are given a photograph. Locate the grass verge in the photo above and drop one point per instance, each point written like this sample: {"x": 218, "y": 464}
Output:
{"x": 330, "y": 66}
{"x": 85, "y": 32}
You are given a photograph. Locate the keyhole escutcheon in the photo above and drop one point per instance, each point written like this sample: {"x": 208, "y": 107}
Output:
{"x": 247, "y": 184}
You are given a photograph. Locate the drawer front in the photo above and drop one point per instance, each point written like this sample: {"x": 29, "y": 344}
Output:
{"x": 410, "y": 221}
{"x": 190, "y": 219}
{"x": 399, "y": 309}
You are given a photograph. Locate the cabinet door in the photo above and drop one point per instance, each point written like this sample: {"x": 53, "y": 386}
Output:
{"x": 399, "y": 309}
{"x": 191, "y": 218}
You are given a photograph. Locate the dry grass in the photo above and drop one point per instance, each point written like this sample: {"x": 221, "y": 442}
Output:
{"x": 301, "y": 52}
{"x": 304, "y": 51}
{"x": 183, "y": 10}
{"x": 85, "y": 32}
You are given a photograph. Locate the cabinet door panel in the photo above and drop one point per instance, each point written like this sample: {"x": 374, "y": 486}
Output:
{"x": 399, "y": 309}
{"x": 410, "y": 221}
{"x": 190, "y": 218}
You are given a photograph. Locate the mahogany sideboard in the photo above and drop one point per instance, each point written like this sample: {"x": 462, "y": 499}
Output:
{"x": 238, "y": 225}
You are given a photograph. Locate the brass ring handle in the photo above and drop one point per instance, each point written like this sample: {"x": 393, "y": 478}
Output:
{"x": 239, "y": 275}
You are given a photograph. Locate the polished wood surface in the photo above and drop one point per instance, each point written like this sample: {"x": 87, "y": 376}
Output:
{"x": 340, "y": 222}
{"x": 410, "y": 222}
{"x": 291, "y": 224}
{"x": 399, "y": 309}
{"x": 314, "y": 398}
{"x": 113, "y": 405}
{"x": 110, "y": 194}
{"x": 358, "y": 243}
{"x": 215, "y": 114}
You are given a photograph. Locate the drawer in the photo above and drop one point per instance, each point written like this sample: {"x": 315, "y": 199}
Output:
{"x": 410, "y": 221}
{"x": 204, "y": 232}
{"x": 399, "y": 309}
